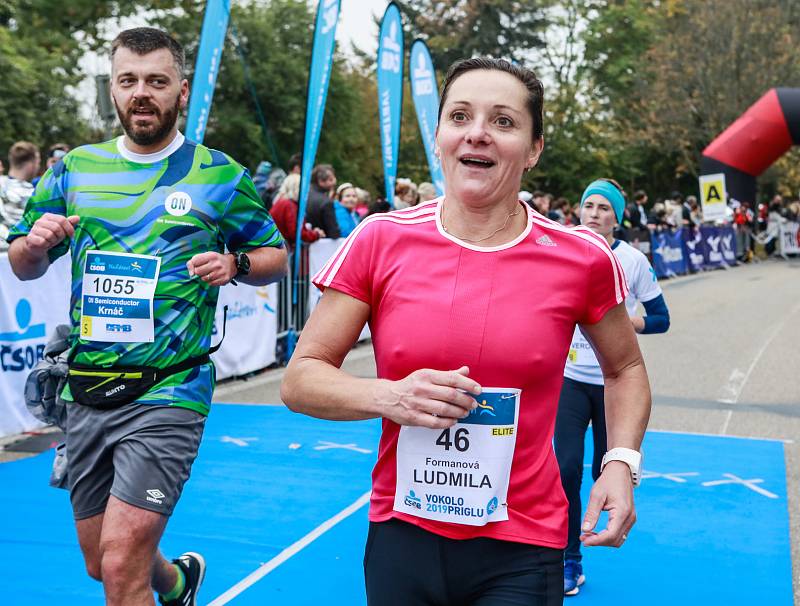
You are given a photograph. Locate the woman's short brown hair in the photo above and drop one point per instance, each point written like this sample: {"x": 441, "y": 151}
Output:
{"x": 524, "y": 75}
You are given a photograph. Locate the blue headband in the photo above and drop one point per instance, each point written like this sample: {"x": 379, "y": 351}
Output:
{"x": 610, "y": 193}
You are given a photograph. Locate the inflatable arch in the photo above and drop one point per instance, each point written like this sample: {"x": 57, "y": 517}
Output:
{"x": 750, "y": 145}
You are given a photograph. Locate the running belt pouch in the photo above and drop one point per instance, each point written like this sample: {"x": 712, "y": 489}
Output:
{"x": 107, "y": 388}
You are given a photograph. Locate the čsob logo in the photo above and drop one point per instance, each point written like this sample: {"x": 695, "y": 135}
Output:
{"x": 390, "y": 56}
{"x": 97, "y": 265}
{"x": 119, "y": 328}
{"x": 423, "y": 77}
{"x": 15, "y": 357}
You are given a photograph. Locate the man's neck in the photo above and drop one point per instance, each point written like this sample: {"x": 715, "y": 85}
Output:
{"x": 19, "y": 174}
{"x": 153, "y": 148}
{"x": 162, "y": 151}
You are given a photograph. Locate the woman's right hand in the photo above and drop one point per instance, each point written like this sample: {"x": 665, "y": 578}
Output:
{"x": 428, "y": 398}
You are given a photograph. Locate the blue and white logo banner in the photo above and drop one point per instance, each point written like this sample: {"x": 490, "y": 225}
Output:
{"x": 29, "y": 314}
{"x": 694, "y": 247}
{"x": 319, "y": 77}
{"x": 668, "y": 257}
{"x": 719, "y": 246}
{"x": 212, "y": 39}
{"x": 425, "y": 93}
{"x": 390, "y": 93}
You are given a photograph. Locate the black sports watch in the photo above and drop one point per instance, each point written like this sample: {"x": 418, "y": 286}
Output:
{"x": 242, "y": 264}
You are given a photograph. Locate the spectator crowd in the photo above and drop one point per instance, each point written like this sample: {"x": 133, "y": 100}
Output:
{"x": 334, "y": 209}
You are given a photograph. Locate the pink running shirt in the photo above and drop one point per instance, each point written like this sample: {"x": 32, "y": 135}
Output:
{"x": 508, "y": 312}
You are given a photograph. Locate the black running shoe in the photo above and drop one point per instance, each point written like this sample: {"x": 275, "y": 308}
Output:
{"x": 194, "y": 570}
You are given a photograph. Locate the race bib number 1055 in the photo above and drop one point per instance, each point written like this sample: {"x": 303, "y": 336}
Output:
{"x": 117, "y": 298}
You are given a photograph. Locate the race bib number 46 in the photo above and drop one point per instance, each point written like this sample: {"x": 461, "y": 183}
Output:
{"x": 117, "y": 300}
{"x": 460, "y": 474}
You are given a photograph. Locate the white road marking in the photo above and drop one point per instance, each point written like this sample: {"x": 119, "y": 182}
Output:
{"x": 323, "y": 445}
{"x": 287, "y": 553}
{"x": 738, "y": 380}
{"x": 751, "y": 484}
{"x": 727, "y": 422}
{"x": 674, "y": 477}
{"x": 237, "y": 441}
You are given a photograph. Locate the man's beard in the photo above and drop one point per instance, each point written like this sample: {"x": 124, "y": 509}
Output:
{"x": 150, "y": 135}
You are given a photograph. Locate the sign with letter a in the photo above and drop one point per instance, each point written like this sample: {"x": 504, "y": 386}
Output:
{"x": 713, "y": 196}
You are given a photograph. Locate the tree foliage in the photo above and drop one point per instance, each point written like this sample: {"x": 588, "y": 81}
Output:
{"x": 634, "y": 89}
{"x": 713, "y": 60}
{"x": 455, "y": 29}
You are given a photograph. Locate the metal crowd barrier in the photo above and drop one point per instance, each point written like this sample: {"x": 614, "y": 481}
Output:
{"x": 292, "y": 318}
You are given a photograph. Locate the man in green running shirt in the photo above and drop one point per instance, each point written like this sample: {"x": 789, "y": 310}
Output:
{"x": 155, "y": 224}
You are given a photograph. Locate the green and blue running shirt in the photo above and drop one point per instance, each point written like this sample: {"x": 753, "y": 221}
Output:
{"x": 121, "y": 199}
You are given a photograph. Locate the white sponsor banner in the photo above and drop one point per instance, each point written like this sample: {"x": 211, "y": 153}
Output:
{"x": 29, "y": 313}
{"x": 318, "y": 254}
{"x": 790, "y": 238}
{"x": 251, "y": 331}
{"x": 713, "y": 196}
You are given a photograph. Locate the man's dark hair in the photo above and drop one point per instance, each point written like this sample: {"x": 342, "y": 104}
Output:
{"x": 57, "y": 147}
{"x": 639, "y": 195}
{"x": 321, "y": 172}
{"x": 524, "y": 75}
{"x": 145, "y": 40}
{"x": 21, "y": 153}
{"x": 296, "y": 161}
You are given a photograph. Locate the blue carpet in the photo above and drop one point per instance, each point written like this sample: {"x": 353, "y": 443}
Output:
{"x": 249, "y": 499}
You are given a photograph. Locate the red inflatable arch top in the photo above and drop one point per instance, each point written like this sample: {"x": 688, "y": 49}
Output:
{"x": 750, "y": 145}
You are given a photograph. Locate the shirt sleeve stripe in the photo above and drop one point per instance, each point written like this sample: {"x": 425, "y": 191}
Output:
{"x": 326, "y": 275}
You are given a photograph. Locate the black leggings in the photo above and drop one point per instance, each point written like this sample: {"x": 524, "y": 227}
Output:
{"x": 579, "y": 403}
{"x": 405, "y": 565}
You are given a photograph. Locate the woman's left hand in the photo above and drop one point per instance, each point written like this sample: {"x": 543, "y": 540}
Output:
{"x": 613, "y": 492}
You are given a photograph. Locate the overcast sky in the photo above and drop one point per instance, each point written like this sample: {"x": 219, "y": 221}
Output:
{"x": 356, "y": 25}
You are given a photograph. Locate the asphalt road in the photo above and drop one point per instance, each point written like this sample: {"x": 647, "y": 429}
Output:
{"x": 727, "y": 366}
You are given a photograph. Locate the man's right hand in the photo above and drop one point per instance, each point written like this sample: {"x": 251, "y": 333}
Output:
{"x": 429, "y": 398}
{"x": 48, "y": 231}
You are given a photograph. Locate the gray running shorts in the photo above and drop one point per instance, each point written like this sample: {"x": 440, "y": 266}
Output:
{"x": 141, "y": 454}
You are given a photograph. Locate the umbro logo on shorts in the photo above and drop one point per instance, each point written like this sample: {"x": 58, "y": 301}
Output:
{"x": 155, "y": 496}
{"x": 545, "y": 241}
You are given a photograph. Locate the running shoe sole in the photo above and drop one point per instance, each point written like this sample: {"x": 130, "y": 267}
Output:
{"x": 581, "y": 581}
{"x": 200, "y": 560}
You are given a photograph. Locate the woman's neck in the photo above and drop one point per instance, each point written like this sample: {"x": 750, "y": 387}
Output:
{"x": 486, "y": 225}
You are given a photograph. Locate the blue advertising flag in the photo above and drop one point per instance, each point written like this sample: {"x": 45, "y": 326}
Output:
{"x": 212, "y": 39}
{"x": 390, "y": 93}
{"x": 319, "y": 77}
{"x": 425, "y": 93}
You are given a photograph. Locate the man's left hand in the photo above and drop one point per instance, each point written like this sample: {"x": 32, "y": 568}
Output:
{"x": 613, "y": 492}
{"x": 213, "y": 268}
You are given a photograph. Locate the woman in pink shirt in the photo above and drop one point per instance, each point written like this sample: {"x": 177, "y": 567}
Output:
{"x": 472, "y": 300}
